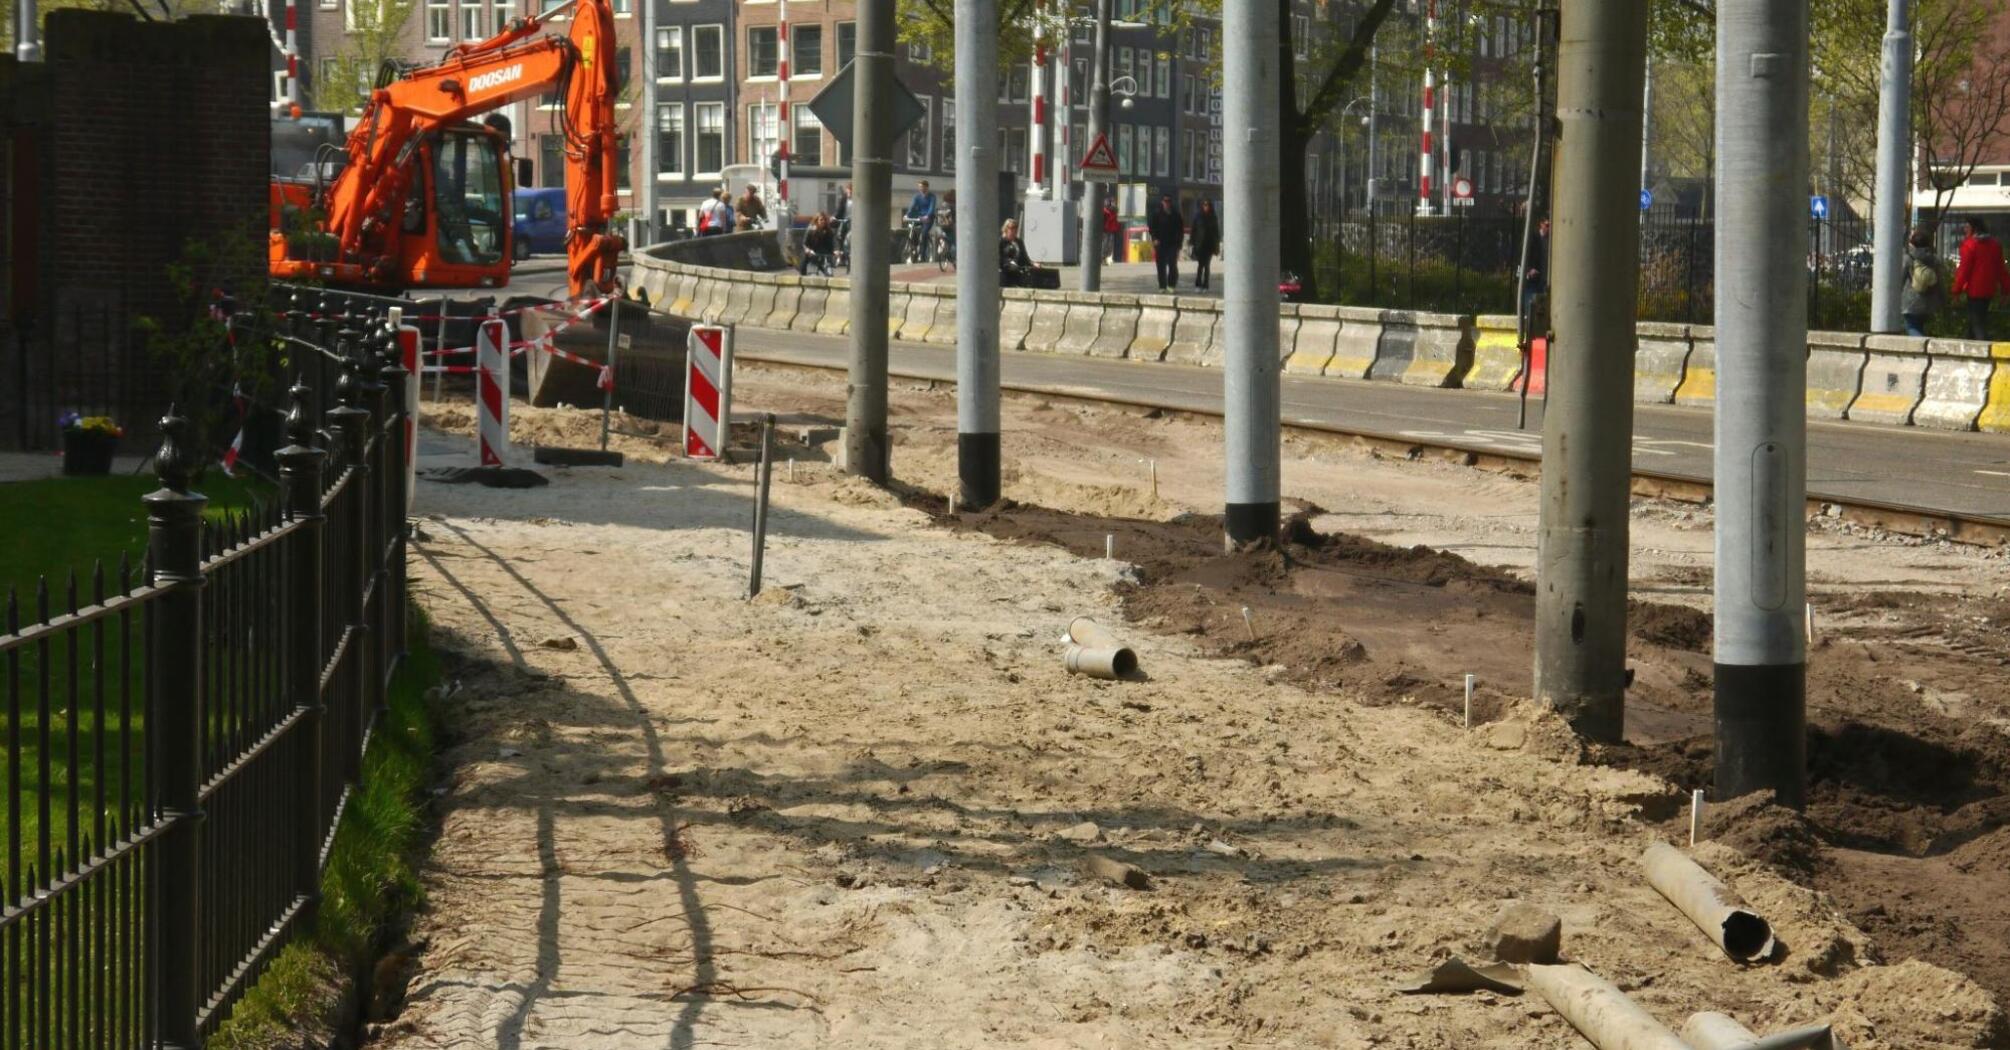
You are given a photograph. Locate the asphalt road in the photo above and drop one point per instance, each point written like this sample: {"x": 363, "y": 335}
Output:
{"x": 1964, "y": 474}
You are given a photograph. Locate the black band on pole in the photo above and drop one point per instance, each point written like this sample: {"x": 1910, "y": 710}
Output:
{"x": 1762, "y": 731}
{"x": 1247, "y": 522}
{"x": 977, "y": 459}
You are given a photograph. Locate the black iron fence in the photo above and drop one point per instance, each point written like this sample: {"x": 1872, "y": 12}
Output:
{"x": 181, "y": 738}
{"x": 1457, "y": 264}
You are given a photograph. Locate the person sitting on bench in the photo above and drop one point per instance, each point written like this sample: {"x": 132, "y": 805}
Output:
{"x": 1015, "y": 266}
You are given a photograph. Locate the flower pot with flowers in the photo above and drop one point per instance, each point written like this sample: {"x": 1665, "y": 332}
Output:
{"x": 88, "y": 444}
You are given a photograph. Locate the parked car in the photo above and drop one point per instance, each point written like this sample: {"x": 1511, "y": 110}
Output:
{"x": 540, "y": 221}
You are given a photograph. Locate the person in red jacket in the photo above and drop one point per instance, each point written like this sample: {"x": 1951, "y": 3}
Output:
{"x": 1980, "y": 275}
{"x": 1113, "y": 231}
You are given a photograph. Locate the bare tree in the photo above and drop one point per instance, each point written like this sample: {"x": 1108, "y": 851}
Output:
{"x": 1960, "y": 92}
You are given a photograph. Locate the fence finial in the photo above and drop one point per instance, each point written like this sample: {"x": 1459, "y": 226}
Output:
{"x": 299, "y": 428}
{"x": 174, "y": 462}
{"x": 345, "y": 384}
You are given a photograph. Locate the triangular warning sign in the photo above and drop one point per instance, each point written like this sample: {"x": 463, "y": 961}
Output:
{"x": 1100, "y": 163}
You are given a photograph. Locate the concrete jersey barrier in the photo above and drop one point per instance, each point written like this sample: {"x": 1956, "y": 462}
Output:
{"x": 1193, "y": 340}
{"x": 1496, "y": 354}
{"x": 1660, "y": 361}
{"x": 1956, "y": 389}
{"x": 1835, "y": 372}
{"x": 1157, "y": 316}
{"x": 1312, "y": 348}
{"x": 1699, "y": 376}
{"x": 1358, "y": 344}
{"x": 1894, "y": 380}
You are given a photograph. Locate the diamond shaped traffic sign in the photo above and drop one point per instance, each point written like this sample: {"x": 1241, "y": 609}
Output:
{"x": 833, "y": 108}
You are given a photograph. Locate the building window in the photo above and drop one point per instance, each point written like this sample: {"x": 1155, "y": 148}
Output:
{"x": 806, "y": 51}
{"x": 920, "y": 51}
{"x": 1124, "y": 62}
{"x": 710, "y": 118}
{"x": 624, "y": 67}
{"x": 1161, "y": 147}
{"x": 670, "y": 53}
{"x": 471, "y": 22}
{"x": 918, "y": 137}
{"x": 624, "y": 175}
{"x": 847, "y": 43}
{"x": 1124, "y": 150}
{"x": 708, "y": 59}
{"x": 670, "y": 139}
{"x": 504, "y": 12}
{"x": 1016, "y": 83}
{"x": 808, "y": 143}
{"x": 439, "y": 21}
{"x": 762, "y": 140}
{"x": 949, "y": 137}
{"x": 1301, "y": 35}
{"x": 1165, "y": 78}
{"x": 1015, "y": 150}
{"x": 623, "y": 8}
{"x": 763, "y": 51}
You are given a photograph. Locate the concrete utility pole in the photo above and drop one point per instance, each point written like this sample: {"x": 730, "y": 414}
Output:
{"x": 1251, "y": 397}
{"x": 1894, "y": 170}
{"x": 1587, "y": 431}
{"x": 1099, "y": 122}
{"x": 866, "y": 450}
{"x": 27, "y": 32}
{"x": 977, "y": 442}
{"x": 1761, "y": 455}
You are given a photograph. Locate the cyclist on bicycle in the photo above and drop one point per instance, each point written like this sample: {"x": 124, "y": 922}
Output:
{"x": 945, "y": 228}
{"x": 819, "y": 245}
{"x": 920, "y": 220}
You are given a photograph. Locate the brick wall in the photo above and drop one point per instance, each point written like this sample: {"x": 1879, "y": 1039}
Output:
{"x": 158, "y": 133}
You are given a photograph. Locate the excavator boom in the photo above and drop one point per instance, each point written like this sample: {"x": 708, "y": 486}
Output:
{"x": 423, "y": 200}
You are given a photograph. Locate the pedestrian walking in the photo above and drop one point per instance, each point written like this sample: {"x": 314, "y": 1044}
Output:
{"x": 1980, "y": 275}
{"x": 1113, "y": 231}
{"x": 1925, "y": 289}
{"x": 1535, "y": 268}
{"x": 1168, "y": 233}
{"x": 1206, "y": 241}
{"x": 713, "y": 215}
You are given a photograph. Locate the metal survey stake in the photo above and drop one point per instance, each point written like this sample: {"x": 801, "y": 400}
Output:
{"x": 1248, "y": 623}
{"x": 1695, "y": 816}
{"x": 764, "y": 474}
{"x": 607, "y": 387}
{"x": 1470, "y": 680}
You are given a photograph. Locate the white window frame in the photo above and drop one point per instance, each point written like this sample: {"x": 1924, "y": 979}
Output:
{"x": 675, "y": 33}
{"x": 683, "y": 129}
{"x": 470, "y": 21}
{"x": 1162, "y": 152}
{"x": 443, "y": 10}
{"x": 501, "y": 12}
{"x": 1165, "y": 77}
{"x": 805, "y": 120}
{"x": 623, "y": 8}
{"x": 763, "y": 78}
{"x": 698, "y": 110}
{"x": 762, "y": 115}
{"x": 796, "y": 53}
{"x": 696, "y": 52}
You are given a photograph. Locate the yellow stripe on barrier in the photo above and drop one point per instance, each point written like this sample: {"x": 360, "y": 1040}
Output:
{"x": 1996, "y": 414}
{"x": 1699, "y": 387}
{"x": 1496, "y": 360}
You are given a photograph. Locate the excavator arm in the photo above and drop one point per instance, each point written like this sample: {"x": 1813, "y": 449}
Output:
{"x": 369, "y": 205}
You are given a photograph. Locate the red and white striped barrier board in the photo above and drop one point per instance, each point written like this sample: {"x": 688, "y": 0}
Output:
{"x": 492, "y": 391}
{"x": 408, "y": 356}
{"x": 708, "y": 391}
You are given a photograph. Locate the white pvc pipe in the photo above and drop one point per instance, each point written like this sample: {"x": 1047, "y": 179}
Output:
{"x": 1601, "y": 1013}
{"x": 1718, "y": 912}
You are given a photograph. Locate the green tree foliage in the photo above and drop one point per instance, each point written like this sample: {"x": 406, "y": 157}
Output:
{"x": 375, "y": 38}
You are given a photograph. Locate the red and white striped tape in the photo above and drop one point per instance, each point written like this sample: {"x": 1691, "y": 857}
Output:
{"x": 492, "y": 392}
{"x": 708, "y": 391}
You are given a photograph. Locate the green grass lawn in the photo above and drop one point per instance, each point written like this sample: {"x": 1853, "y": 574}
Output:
{"x": 56, "y": 525}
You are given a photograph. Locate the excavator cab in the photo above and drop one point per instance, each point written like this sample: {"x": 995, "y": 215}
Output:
{"x": 456, "y": 227}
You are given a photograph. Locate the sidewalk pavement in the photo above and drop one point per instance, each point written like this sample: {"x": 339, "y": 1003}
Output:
{"x": 1126, "y": 278}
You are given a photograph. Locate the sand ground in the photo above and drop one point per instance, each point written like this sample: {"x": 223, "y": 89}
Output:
{"x": 857, "y": 810}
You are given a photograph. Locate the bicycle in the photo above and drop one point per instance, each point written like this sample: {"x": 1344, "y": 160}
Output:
{"x": 914, "y": 244}
{"x": 943, "y": 240}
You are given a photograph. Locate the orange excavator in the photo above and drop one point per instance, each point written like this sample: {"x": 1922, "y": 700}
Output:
{"x": 420, "y": 197}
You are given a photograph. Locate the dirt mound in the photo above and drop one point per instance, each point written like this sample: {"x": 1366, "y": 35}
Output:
{"x": 1675, "y": 626}
{"x": 1756, "y": 826}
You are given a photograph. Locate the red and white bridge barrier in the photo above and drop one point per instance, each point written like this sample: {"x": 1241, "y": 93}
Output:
{"x": 492, "y": 391}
